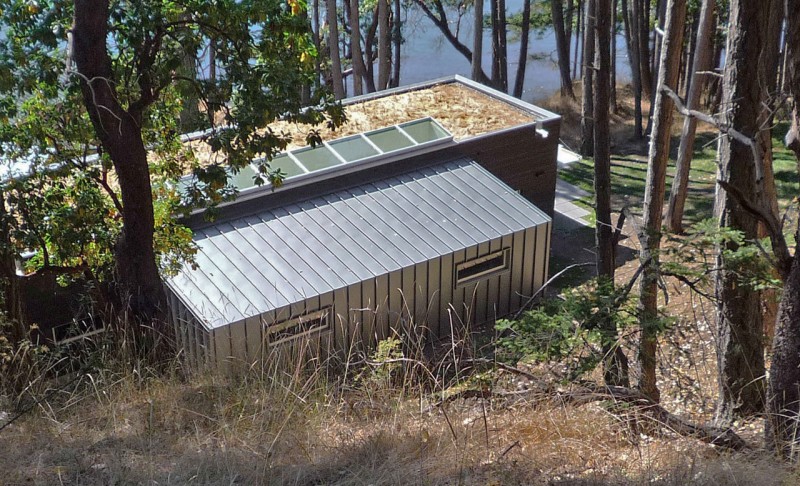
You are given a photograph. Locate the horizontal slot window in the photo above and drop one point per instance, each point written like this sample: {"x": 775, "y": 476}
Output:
{"x": 483, "y": 267}
{"x": 296, "y": 328}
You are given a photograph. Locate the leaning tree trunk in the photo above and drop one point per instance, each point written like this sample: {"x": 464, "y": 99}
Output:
{"x": 588, "y": 110}
{"x": 138, "y": 284}
{"x": 562, "y": 47}
{"x": 615, "y": 363}
{"x": 740, "y": 354}
{"x": 519, "y": 81}
{"x": 650, "y": 237}
{"x": 701, "y": 64}
{"x": 783, "y": 395}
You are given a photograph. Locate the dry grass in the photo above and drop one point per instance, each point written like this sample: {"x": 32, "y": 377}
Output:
{"x": 463, "y": 111}
{"x": 306, "y": 425}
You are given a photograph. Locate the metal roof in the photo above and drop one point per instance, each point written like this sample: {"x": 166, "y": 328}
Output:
{"x": 262, "y": 262}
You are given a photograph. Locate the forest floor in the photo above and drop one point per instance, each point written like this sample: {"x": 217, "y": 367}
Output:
{"x": 384, "y": 424}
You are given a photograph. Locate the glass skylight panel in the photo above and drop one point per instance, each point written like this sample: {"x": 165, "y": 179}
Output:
{"x": 316, "y": 158}
{"x": 244, "y": 179}
{"x": 424, "y": 130}
{"x": 390, "y": 139}
{"x": 353, "y": 148}
{"x": 288, "y": 167}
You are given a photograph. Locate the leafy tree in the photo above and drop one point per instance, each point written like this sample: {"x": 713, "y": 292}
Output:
{"x": 91, "y": 90}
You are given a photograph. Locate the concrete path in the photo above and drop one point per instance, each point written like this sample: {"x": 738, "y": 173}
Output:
{"x": 565, "y": 194}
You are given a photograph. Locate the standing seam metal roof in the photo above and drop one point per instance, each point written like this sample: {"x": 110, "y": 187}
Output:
{"x": 256, "y": 264}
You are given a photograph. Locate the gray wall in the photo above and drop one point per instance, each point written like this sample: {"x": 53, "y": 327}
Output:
{"x": 420, "y": 300}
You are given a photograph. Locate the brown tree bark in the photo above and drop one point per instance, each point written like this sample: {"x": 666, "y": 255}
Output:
{"x": 650, "y": 237}
{"x": 739, "y": 320}
{"x": 477, "y": 42}
{"x": 359, "y": 70}
{"x": 631, "y": 21}
{"x": 615, "y": 363}
{"x": 562, "y": 47}
{"x": 701, "y": 63}
{"x": 642, "y": 37}
{"x": 499, "y": 43}
{"x": 519, "y": 81}
{"x": 333, "y": 48}
{"x": 588, "y": 108}
{"x": 783, "y": 395}
{"x": 119, "y": 131}
{"x": 397, "y": 40}
{"x": 384, "y": 58}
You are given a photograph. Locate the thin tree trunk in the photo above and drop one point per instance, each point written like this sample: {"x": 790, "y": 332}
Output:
{"x": 397, "y": 40}
{"x": 579, "y": 42}
{"x": 562, "y": 47}
{"x": 499, "y": 51}
{"x": 615, "y": 362}
{"x": 631, "y": 21}
{"x": 643, "y": 37}
{"x": 333, "y": 48}
{"x": 657, "y": 43}
{"x": 315, "y": 34}
{"x": 669, "y": 72}
{"x": 741, "y": 348}
{"x": 519, "y": 81}
{"x": 355, "y": 49}
{"x": 588, "y": 111}
{"x": 383, "y": 44}
{"x": 702, "y": 63}
{"x": 612, "y": 97}
{"x": 119, "y": 131}
{"x": 477, "y": 42}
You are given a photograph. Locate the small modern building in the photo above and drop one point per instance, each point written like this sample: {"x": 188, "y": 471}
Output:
{"x": 400, "y": 230}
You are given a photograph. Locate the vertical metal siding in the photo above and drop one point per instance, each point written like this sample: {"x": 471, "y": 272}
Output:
{"x": 432, "y": 296}
{"x": 504, "y": 291}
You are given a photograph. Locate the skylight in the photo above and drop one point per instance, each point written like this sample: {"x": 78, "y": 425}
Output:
{"x": 365, "y": 147}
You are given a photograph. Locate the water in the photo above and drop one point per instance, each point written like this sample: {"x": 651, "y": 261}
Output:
{"x": 427, "y": 55}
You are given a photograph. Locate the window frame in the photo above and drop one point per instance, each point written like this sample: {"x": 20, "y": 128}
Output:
{"x": 324, "y": 326}
{"x": 505, "y": 253}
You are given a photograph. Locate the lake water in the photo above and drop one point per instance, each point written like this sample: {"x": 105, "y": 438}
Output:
{"x": 427, "y": 55}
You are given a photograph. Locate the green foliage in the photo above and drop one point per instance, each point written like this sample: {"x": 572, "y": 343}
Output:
{"x": 691, "y": 257}
{"x": 64, "y": 198}
{"x": 567, "y": 329}
{"x": 384, "y": 366}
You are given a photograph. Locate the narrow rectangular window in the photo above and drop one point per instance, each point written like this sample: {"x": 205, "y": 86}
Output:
{"x": 483, "y": 267}
{"x": 313, "y": 323}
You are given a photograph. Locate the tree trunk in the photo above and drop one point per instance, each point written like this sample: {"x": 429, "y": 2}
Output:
{"x": 614, "y": 363}
{"x": 588, "y": 111}
{"x": 9, "y": 280}
{"x": 477, "y": 42}
{"x": 643, "y": 38}
{"x": 397, "y": 40}
{"x": 612, "y": 96}
{"x": 702, "y": 62}
{"x": 384, "y": 58}
{"x": 657, "y": 43}
{"x": 739, "y": 321}
{"x": 783, "y": 396}
{"x": 499, "y": 51}
{"x": 523, "y": 49}
{"x": 562, "y": 47}
{"x": 315, "y": 34}
{"x": 631, "y": 21}
{"x": 579, "y": 41}
{"x": 333, "y": 48}
{"x": 650, "y": 238}
{"x": 355, "y": 49}
{"x": 138, "y": 283}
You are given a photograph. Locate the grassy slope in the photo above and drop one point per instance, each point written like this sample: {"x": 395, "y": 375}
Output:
{"x": 312, "y": 427}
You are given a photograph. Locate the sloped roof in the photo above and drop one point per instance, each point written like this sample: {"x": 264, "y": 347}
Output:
{"x": 280, "y": 256}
